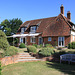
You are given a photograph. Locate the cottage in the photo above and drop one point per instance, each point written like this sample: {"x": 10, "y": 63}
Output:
{"x": 54, "y": 30}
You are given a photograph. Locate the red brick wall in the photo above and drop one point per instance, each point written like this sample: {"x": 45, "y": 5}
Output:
{"x": 45, "y": 39}
{"x": 53, "y": 40}
{"x": 9, "y": 60}
{"x": 67, "y": 40}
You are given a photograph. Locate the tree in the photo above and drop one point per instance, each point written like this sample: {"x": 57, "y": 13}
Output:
{"x": 3, "y": 41}
{"x": 10, "y": 26}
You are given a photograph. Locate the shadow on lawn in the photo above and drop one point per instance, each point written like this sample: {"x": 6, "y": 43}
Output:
{"x": 65, "y": 68}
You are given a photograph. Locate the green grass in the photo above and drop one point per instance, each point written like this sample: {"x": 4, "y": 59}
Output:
{"x": 38, "y": 68}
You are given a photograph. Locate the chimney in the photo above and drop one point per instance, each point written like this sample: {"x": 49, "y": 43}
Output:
{"x": 62, "y": 9}
{"x": 69, "y": 15}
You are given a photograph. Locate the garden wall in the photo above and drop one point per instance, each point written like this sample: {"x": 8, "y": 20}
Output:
{"x": 9, "y": 60}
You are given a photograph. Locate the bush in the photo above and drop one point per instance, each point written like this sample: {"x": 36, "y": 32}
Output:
{"x": 46, "y": 51}
{"x": 3, "y": 41}
{"x": 73, "y": 45}
{"x": 22, "y": 45}
{"x": 35, "y": 45}
{"x": 31, "y": 49}
{"x": 48, "y": 45}
{"x": 11, "y": 51}
{"x": 62, "y": 52}
{"x": 70, "y": 46}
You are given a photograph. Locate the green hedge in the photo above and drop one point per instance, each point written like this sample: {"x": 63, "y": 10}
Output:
{"x": 3, "y": 41}
{"x": 35, "y": 45}
{"x": 71, "y": 45}
{"x": 46, "y": 51}
{"x": 31, "y": 49}
{"x": 22, "y": 45}
{"x": 48, "y": 45}
{"x": 11, "y": 51}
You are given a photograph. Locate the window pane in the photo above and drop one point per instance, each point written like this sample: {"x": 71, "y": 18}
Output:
{"x": 49, "y": 38}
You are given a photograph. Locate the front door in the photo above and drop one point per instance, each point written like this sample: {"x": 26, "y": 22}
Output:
{"x": 40, "y": 40}
{"x": 61, "y": 41}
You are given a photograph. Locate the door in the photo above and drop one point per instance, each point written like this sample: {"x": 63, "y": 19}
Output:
{"x": 25, "y": 40}
{"x": 61, "y": 41}
{"x": 40, "y": 40}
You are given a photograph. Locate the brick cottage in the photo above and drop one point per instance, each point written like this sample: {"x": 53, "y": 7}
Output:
{"x": 54, "y": 30}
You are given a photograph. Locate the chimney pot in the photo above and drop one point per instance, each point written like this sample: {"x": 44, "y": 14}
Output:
{"x": 62, "y": 9}
{"x": 69, "y": 15}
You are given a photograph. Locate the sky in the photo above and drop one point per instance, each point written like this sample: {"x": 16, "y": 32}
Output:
{"x": 34, "y": 9}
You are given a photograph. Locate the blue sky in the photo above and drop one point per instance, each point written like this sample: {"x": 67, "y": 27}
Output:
{"x": 34, "y": 9}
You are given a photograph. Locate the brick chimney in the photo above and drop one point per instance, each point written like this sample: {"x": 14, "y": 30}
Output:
{"x": 69, "y": 15}
{"x": 62, "y": 9}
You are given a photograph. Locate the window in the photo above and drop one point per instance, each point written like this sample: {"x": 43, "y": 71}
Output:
{"x": 23, "y": 30}
{"x": 33, "y": 29}
{"x": 49, "y": 38}
{"x": 21, "y": 40}
{"x": 33, "y": 39}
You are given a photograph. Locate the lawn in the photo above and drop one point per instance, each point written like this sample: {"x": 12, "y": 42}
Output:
{"x": 38, "y": 68}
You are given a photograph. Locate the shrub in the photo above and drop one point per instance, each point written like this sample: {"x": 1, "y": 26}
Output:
{"x": 22, "y": 45}
{"x": 35, "y": 45}
{"x": 73, "y": 45}
{"x": 3, "y": 41}
{"x": 62, "y": 52}
{"x": 41, "y": 45}
{"x": 11, "y": 51}
{"x": 2, "y": 53}
{"x": 70, "y": 45}
{"x": 31, "y": 49}
{"x": 48, "y": 45}
{"x": 46, "y": 51}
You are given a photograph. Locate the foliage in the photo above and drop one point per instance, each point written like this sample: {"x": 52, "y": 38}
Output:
{"x": 10, "y": 40}
{"x": 62, "y": 52}
{"x": 31, "y": 49}
{"x": 35, "y": 45}
{"x": 11, "y": 51}
{"x": 22, "y": 45}
{"x": 70, "y": 46}
{"x": 0, "y": 68}
{"x": 55, "y": 43}
{"x": 48, "y": 45}
{"x": 46, "y": 51}
{"x": 73, "y": 45}
{"x": 10, "y": 26}
{"x": 3, "y": 41}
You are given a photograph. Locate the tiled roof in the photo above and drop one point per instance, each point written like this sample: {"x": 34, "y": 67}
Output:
{"x": 53, "y": 26}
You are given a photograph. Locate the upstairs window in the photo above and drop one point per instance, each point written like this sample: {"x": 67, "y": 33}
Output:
{"x": 33, "y": 29}
{"x": 23, "y": 30}
{"x": 49, "y": 38}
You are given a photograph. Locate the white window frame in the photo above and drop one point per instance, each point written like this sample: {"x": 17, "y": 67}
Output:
{"x": 32, "y": 29}
{"x": 22, "y": 30}
{"x": 49, "y": 39}
{"x": 21, "y": 40}
{"x": 61, "y": 44}
{"x": 32, "y": 39}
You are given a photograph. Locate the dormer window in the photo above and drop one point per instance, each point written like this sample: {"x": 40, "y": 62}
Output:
{"x": 23, "y": 30}
{"x": 33, "y": 29}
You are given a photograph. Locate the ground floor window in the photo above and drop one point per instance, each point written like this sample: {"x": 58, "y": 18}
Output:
{"x": 61, "y": 41}
{"x": 33, "y": 39}
{"x": 21, "y": 40}
{"x": 49, "y": 38}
